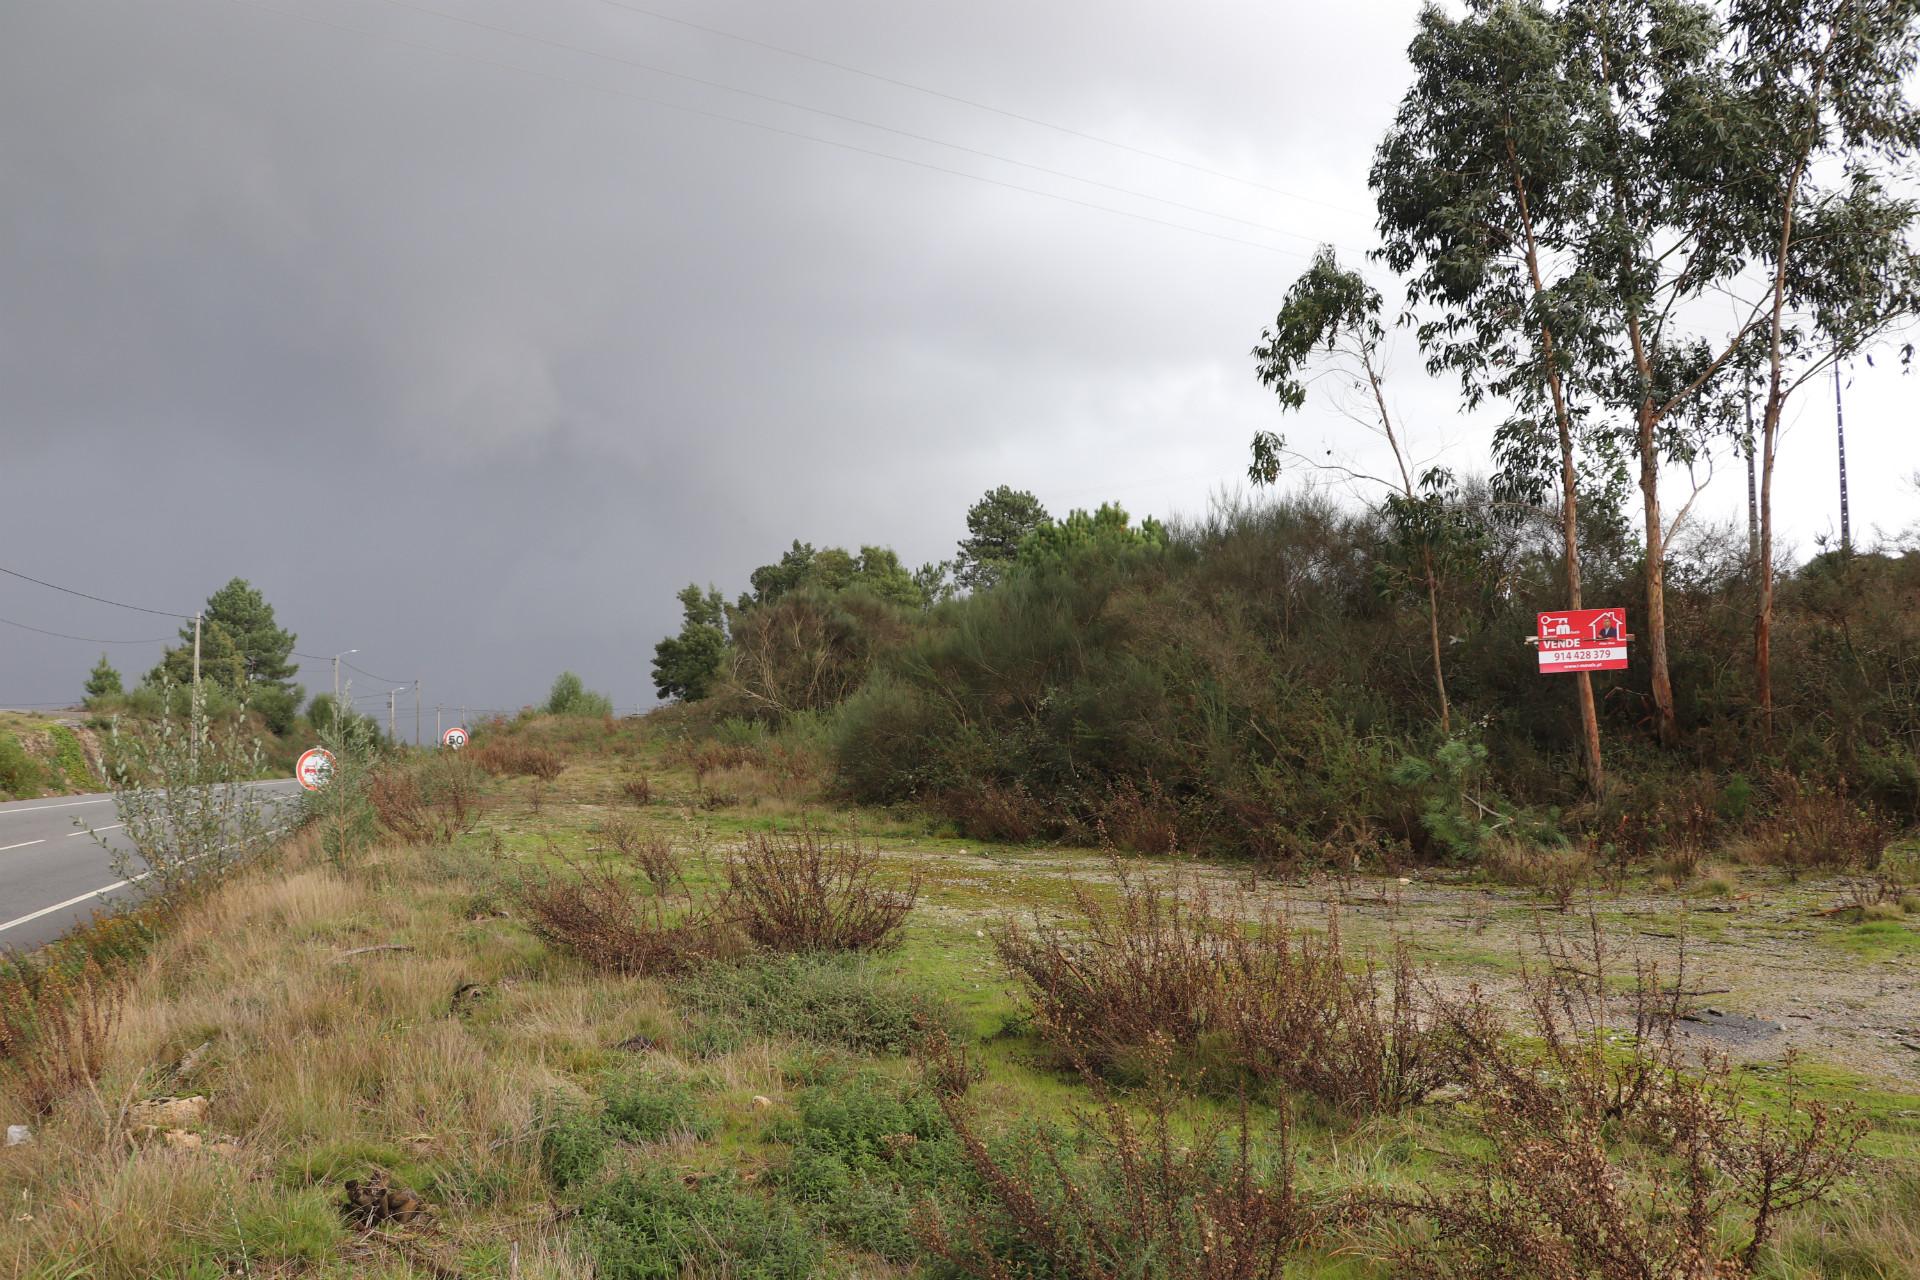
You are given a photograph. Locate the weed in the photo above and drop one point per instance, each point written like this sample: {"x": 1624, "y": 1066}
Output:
{"x": 638, "y": 790}
{"x": 649, "y": 1106}
{"x": 1171, "y": 962}
{"x": 653, "y": 854}
{"x": 1816, "y": 827}
{"x": 432, "y": 803}
{"x": 597, "y": 915}
{"x": 507, "y": 757}
{"x": 865, "y": 1148}
{"x": 55, "y": 1026}
{"x": 798, "y": 891}
{"x": 839, "y": 1000}
{"x": 1611, "y": 1160}
{"x": 573, "y": 1142}
{"x": 659, "y": 1226}
{"x": 1151, "y": 1198}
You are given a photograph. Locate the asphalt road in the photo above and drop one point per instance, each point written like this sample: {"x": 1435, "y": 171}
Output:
{"x": 53, "y": 874}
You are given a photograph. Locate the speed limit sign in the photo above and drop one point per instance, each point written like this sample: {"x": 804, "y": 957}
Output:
{"x": 454, "y": 738}
{"x": 314, "y": 768}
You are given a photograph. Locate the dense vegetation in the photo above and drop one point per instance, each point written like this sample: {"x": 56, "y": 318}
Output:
{"x": 1573, "y": 199}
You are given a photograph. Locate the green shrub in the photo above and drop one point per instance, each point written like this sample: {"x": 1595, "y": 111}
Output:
{"x": 866, "y": 1150}
{"x": 838, "y": 1000}
{"x": 19, "y": 775}
{"x": 647, "y": 1106}
{"x": 573, "y": 1142}
{"x": 653, "y": 1226}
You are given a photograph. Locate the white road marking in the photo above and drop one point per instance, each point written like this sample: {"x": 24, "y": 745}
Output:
{"x": 69, "y": 804}
{"x": 23, "y": 844}
{"x": 94, "y": 893}
{"x": 93, "y": 830}
{"x": 70, "y": 902}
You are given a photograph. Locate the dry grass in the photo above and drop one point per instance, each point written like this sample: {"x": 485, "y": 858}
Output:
{"x": 509, "y": 757}
{"x": 55, "y": 1026}
{"x": 319, "y": 1068}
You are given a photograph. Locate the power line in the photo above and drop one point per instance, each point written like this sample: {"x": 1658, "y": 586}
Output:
{"x": 769, "y": 128}
{"x": 974, "y": 103}
{"x": 369, "y": 675}
{"x": 89, "y": 639}
{"x": 848, "y": 119}
{"x": 164, "y": 613}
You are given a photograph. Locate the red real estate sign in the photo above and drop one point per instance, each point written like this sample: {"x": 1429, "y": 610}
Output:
{"x": 1583, "y": 640}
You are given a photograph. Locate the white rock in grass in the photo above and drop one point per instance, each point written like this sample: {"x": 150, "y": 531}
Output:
{"x": 17, "y": 1134}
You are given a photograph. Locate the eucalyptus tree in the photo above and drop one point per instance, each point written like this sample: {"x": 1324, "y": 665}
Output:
{"x": 1805, "y": 159}
{"x": 1329, "y": 326}
{"x": 1484, "y": 186}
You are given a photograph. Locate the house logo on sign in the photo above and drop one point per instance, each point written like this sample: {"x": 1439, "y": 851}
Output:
{"x": 1582, "y": 640}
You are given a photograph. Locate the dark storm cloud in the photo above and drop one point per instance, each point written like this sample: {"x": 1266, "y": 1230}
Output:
{"x": 470, "y": 366}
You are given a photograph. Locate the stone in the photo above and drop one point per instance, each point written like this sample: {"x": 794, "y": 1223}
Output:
{"x": 181, "y": 1140}
{"x": 18, "y": 1134}
{"x": 761, "y": 1102}
{"x": 168, "y": 1113}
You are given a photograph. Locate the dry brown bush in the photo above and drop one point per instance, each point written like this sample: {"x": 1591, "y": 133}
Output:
{"x": 598, "y": 914}
{"x": 653, "y": 854}
{"x": 1609, "y": 1157}
{"x": 1819, "y": 828}
{"x": 798, "y": 891}
{"x": 1170, "y": 960}
{"x": 428, "y": 804}
{"x": 504, "y": 757}
{"x": 1153, "y": 1197}
{"x": 54, "y": 1028}
{"x": 989, "y": 811}
{"x": 638, "y": 790}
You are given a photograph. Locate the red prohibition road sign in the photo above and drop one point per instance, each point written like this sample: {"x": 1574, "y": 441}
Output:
{"x": 455, "y": 738}
{"x": 314, "y": 768}
{"x": 1582, "y": 640}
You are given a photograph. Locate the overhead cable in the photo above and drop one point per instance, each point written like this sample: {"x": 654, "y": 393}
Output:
{"x": 89, "y": 639}
{"x": 770, "y": 128}
{"x": 975, "y": 103}
{"x": 585, "y": 51}
{"x": 84, "y": 595}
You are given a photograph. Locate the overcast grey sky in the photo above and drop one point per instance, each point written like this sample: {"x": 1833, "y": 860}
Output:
{"x": 431, "y": 319}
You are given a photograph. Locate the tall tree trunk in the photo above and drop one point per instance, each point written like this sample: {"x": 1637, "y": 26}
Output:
{"x": 1426, "y": 547}
{"x": 1667, "y": 726}
{"x": 1763, "y": 612}
{"x": 1569, "y": 506}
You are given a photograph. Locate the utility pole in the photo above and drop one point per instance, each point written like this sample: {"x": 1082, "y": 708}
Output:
{"x": 392, "y": 696}
{"x": 463, "y": 717}
{"x": 416, "y": 711}
{"x": 437, "y": 730}
{"x": 336, "y": 682}
{"x": 1840, "y": 432}
{"x": 196, "y": 653}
